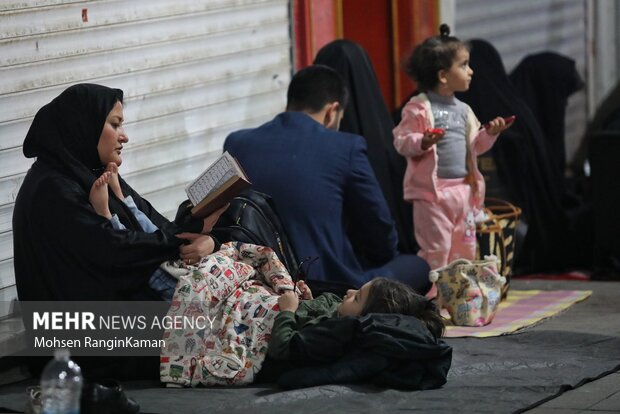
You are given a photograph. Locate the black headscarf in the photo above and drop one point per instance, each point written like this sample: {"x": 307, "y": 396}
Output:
{"x": 368, "y": 116}
{"x": 545, "y": 81}
{"x": 64, "y": 134}
{"x": 66, "y": 131}
{"x": 63, "y": 249}
{"x": 522, "y": 161}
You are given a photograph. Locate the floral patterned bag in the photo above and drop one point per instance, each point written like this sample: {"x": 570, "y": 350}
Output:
{"x": 469, "y": 290}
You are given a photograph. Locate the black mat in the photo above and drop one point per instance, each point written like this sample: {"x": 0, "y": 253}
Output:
{"x": 496, "y": 375}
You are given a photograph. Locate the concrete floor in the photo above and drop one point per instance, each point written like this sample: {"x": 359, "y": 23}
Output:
{"x": 598, "y": 315}
{"x": 600, "y": 396}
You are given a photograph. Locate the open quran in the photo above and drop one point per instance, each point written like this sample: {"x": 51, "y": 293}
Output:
{"x": 217, "y": 185}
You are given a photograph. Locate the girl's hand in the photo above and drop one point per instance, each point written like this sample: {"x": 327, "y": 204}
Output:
{"x": 431, "y": 136}
{"x": 306, "y": 293}
{"x": 288, "y": 301}
{"x": 497, "y": 125}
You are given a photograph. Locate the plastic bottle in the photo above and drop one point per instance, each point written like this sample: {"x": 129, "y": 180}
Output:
{"x": 61, "y": 385}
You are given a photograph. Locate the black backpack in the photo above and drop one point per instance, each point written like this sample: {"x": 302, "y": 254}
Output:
{"x": 252, "y": 218}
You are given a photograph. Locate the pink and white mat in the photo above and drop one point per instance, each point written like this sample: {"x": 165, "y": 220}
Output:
{"x": 522, "y": 308}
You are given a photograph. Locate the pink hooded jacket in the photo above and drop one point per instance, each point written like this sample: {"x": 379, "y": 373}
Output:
{"x": 420, "y": 182}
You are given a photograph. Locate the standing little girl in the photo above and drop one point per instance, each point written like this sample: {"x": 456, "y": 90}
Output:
{"x": 441, "y": 137}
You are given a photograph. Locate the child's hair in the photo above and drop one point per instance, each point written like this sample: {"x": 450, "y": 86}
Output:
{"x": 391, "y": 296}
{"x": 434, "y": 54}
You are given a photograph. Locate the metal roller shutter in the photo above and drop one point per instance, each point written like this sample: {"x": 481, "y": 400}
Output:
{"x": 192, "y": 71}
{"x": 520, "y": 28}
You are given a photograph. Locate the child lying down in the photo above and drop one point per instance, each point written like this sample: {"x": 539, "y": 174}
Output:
{"x": 383, "y": 333}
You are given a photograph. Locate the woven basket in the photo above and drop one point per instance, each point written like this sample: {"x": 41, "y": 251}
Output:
{"x": 496, "y": 235}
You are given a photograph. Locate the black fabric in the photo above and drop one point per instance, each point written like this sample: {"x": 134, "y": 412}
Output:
{"x": 390, "y": 350}
{"x": 606, "y": 118}
{"x": 603, "y": 155}
{"x": 600, "y": 148}
{"x": 545, "y": 81}
{"x": 63, "y": 249}
{"x": 106, "y": 397}
{"x": 367, "y": 115}
{"x": 522, "y": 161}
{"x": 98, "y": 368}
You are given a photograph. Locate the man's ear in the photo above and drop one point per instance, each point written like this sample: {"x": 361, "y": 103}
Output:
{"x": 332, "y": 110}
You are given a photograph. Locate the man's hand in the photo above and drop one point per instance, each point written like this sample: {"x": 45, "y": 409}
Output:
{"x": 199, "y": 246}
{"x": 209, "y": 221}
{"x": 288, "y": 301}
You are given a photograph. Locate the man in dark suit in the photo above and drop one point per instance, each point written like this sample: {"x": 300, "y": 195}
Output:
{"x": 323, "y": 186}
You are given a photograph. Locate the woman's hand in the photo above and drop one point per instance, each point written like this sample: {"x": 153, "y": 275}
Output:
{"x": 431, "y": 136}
{"x": 306, "y": 293}
{"x": 288, "y": 301}
{"x": 209, "y": 221}
{"x": 200, "y": 245}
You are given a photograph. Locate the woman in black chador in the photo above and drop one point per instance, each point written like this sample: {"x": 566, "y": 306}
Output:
{"x": 545, "y": 81}
{"x": 523, "y": 164}
{"x": 367, "y": 115}
{"x": 64, "y": 250}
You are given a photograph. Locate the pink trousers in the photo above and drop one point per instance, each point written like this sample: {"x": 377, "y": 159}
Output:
{"x": 445, "y": 229}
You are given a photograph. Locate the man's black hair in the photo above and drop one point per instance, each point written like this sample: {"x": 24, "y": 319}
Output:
{"x": 315, "y": 86}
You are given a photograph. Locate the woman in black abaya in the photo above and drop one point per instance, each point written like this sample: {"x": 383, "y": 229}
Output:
{"x": 367, "y": 115}
{"x": 63, "y": 249}
{"x": 545, "y": 81}
{"x": 522, "y": 161}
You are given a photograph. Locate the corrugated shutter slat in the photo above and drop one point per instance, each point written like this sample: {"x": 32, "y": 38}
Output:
{"x": 520, "y": 28}
{"x": 192, "y": 72}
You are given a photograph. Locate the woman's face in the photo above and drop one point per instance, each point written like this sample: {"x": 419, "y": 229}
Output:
{"x": 112, "y": 137}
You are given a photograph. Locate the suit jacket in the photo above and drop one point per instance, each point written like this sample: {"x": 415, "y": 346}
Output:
{"x": 322, "y": 185}
{"x": 367, "y": 115}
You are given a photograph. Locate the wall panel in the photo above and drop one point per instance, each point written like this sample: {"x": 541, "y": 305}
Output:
{"x": 520, "y": 28}
{"x": 192, "y": 71}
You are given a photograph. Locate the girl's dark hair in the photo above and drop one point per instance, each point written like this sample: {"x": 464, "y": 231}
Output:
{"x": 434, "y": 54}
{"x": 391, "y": 296}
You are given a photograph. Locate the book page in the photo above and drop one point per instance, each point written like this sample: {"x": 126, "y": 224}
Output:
{"x": 212, "y": 178}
